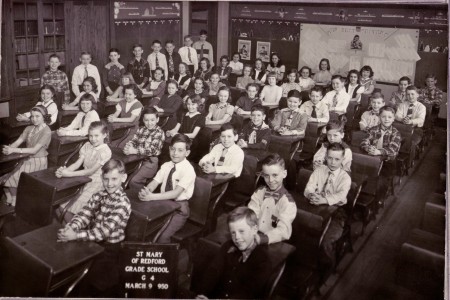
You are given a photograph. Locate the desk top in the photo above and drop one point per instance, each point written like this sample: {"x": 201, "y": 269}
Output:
{"x": 64, "y": 140}
{"x": 151, "y": 210}
{"x": 13, "y": 123}
{"x": 121, "y": 125}
{"x": 60, "y": 256}
{"x": 315, "y": 214}
{"x": 117, "y": 153}
{"x": 49, "y": 178}
{"x": 270, "y": 106}
{"x": 287, "y": 138}
{"x": 14, "y": 156}
{"x": 216, "y": 179}
{"x": 214, "y": 127}
{"x": 68, "y": 112}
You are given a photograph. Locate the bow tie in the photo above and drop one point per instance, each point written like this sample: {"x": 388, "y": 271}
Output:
{"x": 374, "y": 113}
{"x": 274, "y": 195}
{"x": 256, "y": 127}
{"x": 222, "y": 106}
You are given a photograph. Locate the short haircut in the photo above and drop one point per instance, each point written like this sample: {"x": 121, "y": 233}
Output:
{"x": 412, "y": 88}
{"x": 44, "y": 112}
{"x": 228, "y": 126}
{"x": 367, "y": 68}
{"x": 430, "y": 75}
{"x": 225, "y": 88}
{"x": 353, "y": 72}
{"x": 181, "y": 138}
{"x": 317, "y": 89}
{"x": 387, "y": 108}
{"x": 137, "y": 45}
{"x": 186, "y": 68}
{"x": 263, "y": 67}
{"x": 243, "y": 212}
{"x": 377, "y": 95}
{"x": 150, "y": 110}
{"x": 88, "y": 97}
{"x": 236, "y": 53}
{"x": 272, "y": 74}
{"x": 113, "y": 164}
{"x": 224, "y": 57}
{"x": 252, "y": 85}
{"x": 170, "y": 42}
{"x": 337, "y": 76}
{"x": 47, "y": 87}
{"x": 94, "y": 85}
{"x": 171, "y": 81}
{"x": 405, "y": 78}
{"x": 188, "y": 36}
{"x": 162, "y": 71}
{"x": 203, "y": 32}
{"x": 86, "y": 53}
{"x": 305, "y": 68}
{"x": 295, "y": 94}
{"x": 156, "y": 42}
{"x": 259, "y": 108}
{"x": 114, "y": 50}
{"x": 274, "y": 159}
{"x": 336, "y": 147}
{"x": 325, "y": 60}
{"x": 195, "y": 99}
{"x": 103, "y": 128}
{"x": 208, "y": 63}
{"x": 54, "y": 55}
{"x": 335, "y": 125}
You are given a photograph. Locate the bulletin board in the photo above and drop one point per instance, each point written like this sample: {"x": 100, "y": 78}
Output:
{"x": 391, "y": 52}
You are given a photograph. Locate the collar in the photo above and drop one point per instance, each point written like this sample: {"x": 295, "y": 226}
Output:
{"x": 246, "y": 253}
{"x": 389, "y": 129}
{"x": 220, "y": 105}
{"x": 196, "y": 113}
{"x": 412, "y": 104}
{"x": 39, "y": 127}
{"x": 56, "y": 71}
{"x": 373, "y": 113}
{"x": 262, "y": 126}
{"x": 117, "y": 193}
{"x": 335, "y": 172}
{"x": 99, "y": 147}
{"x": 110, "y": 64}
{"x": 178, "y": 163}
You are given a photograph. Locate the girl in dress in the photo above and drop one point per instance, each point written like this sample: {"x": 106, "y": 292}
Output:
{"x": 47, "y": 93}
{"x": 223, "y": 70}
{"x": 93, "y": 155}
{"x": 183, "y": 78}
{"x": 157, "y": 87}
{"x": 305, "y": 80}
{"x": 236, "y": 68}
{"x": 89, "y": 87}
{"x": 215, "y": 84}
{"x": 203, "y": 70}
{"x": 352, "y": 87}
{"x": 323, "y": 77}
{"x": 277, "y": 66}
{"x": 259, "y": 72}
{"x": 246, "y": 78}
{"x": 292, "y": 83}
{"x": 37, "y": 138}
{"x": 201, "y": 89}
{"x": 366, "y": 79}
{"x": 126, "y": 79}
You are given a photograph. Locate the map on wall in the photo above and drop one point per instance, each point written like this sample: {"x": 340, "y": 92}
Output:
{"x": 391, "y": 52}
{"x": 148, "y": 10}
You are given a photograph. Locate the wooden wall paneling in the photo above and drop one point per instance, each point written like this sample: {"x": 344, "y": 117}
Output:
{"x": 68, "y": 25}
{"x": 99, "y": 33}
{"x": 7, "y": 53}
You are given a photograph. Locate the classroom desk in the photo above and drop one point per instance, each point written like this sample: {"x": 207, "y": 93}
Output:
{"x": 214, "y": 127}
{"x": 260, "y": 154}
{"x": 317, "y": 215}
{"x": 9, "y": 162}
{"x": 66, "y": 117}
{"x": 14, "y": 128}
{"x": 314, "y": 129}
{"x": 132, "y": 162}
{"x": 148, "y": 218}
{"x": 62, "y": 146}
{"x": 106, "y": 108}
{"x": 119, "y": 130}
{"x": 57, "y": 262}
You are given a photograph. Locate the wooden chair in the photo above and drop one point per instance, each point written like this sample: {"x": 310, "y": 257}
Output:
{"x": 235, "y": 94}
{"x": 352, "y": 112}
{"x": 434, "y": 218}
{"x": 357, "y": 138}
{"x": 405, "y": 157}
{"x": 309, "y": 148}
{"x": 204, "y": 139}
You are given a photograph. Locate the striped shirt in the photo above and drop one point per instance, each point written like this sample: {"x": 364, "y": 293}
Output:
{"x": 148, "y": 141}
{"x": 391, "y": 141}
{"x": 103, "y": 218}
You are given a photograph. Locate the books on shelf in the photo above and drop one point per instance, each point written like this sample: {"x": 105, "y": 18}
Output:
{"x": 19, "y": 28}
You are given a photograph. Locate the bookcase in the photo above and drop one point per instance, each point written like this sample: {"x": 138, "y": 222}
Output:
{"x": 38, "y": 32}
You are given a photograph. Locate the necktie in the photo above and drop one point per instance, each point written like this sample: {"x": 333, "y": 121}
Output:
{"x": 403, "y": 97}
{"x": 201, "y": 51}
{"x": 222, "y": 157}
{"x": 252, "y": 137}
{"x": 171, "y": 66}
{"x": 335, "y": 99}
{"x": 328, "y": 183}
{"x": 156, "y": 60}
{"x": 85, "y": 72}
{"x": 82, "y": 120}
{"x": 314, "y": 113}
{"x": 189, "y": 55}
{"x": 169, "y": 185}
{"x": 374, "y": 113}
{"x": 289, "y": 119}
{"x": 380, "y": 140}
{"x": 410, "y": 110}
{"x": 222, "y": 71}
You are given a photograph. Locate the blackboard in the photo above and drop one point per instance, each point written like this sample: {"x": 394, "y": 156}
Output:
{"x": 149, "y": 270}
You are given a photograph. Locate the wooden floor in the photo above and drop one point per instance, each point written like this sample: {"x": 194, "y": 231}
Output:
{"x": 371, "y": 275}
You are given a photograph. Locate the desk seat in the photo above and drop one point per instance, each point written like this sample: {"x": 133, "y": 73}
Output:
{"x": 9, "y": 162}
{"x": 132, "y": 162}
{"x": 61, "y": 147}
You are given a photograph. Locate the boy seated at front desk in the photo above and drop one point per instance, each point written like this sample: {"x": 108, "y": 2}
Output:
{"x": 290, "y": 121}
{"x": 242, "y": 267}
{"x": 316, "y": 110}
{"x": 256, "y": 133}
{"x": 337, "y": 99}
{"x": 103, "y": 219}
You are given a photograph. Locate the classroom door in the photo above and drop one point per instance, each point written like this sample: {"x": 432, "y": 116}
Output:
{"x": 204, "y": 16}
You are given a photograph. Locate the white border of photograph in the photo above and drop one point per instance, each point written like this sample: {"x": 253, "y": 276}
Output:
{"x": 266, "y": 56}
{"x": 248, "y": 46}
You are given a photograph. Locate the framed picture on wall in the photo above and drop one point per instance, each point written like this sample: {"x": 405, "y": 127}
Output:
{"x": 263, "y": 51}
{"x": 245, "y": 48}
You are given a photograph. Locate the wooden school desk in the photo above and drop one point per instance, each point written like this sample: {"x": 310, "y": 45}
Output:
{"x": 119, "y": 131}
{"x": 14, "y": 128}
{"x": 37, "y": 265}
{"x": 132, "y": 162}
{"x": 9, "y": 162}
{"x": 66, "y": 117}
{"x": 148, "y": 218}
{"x": 61, "y": 147}
{"x": 106, "y": 108}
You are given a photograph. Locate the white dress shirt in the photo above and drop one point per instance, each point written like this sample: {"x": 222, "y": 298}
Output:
{"x": 233, "y": 159}
{"x": 322, "y": 112}
{"x": 162, "y": 61}
{"x": 343, "y": 99}
{"x": 78, "y": 77}
{"x": 418, "y": 114}
{"x": 184, "y": 54}
{"x": 184, "y": 176}
{"x": 77, "y": 127}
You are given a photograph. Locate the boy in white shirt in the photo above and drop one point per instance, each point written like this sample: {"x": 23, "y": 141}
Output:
{"x": 189, "y": 54}
{"x": 337, "y": 99}
{"x": 84, "y": 70}
{"x": 157, "y": 59}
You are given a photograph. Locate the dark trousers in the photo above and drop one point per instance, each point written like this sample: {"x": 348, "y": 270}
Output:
{"x": 178, "y": 220}
{"x": 146, "y": 172}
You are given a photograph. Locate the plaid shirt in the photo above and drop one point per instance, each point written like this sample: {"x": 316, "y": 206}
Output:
{"x": 140, "y": 70}
{"x": 57, "y": 79}
{"x": 391, "y": 141}
{"x": 148, "y": 141}
{"x": 103, "y": 218}
{"x": 431, "y": 96}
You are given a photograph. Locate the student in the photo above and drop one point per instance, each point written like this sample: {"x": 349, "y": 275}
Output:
{"x": 329, "y": 185}
{"x": 89, "y": 88}
{"x": 337, "y": 100}
{"x": 103, "y": 219}
{"x": 431, "y": 94}
{"x": 315, "y": 109}
{"x": 83, "y": 70}
{"x": 272, "y": 203}
{"x": 352, "y": 87}
{"x": 323, "y": 77}
{"x": 290, "y": 121}
{"x": 242, "y": 268}
{"x": 246, "y": 78}
{"x": 183, "y": 78}
{"x": 259, "y": 72}
{"x": 177, "y": 180}
{"x": 126, "y": 79}
{"x": 367, "y": 80}
{"x": 148, "y": 141}
{"x": 47, "y": 93}
{"x": 221, "y": 112}
{"x": 113, "y": 72}
{"x": 276, "y": 66}
{"x": 139, "y": 67}
{"x": 156, "y": 59}
{"x": 157, "y": 86}
{"x": 371, "y": 117}
{"x": 245, "y": 103}
{"x": 37, "y": 138}
{"x": 335, "y": 135}
{"x": 170, "y": 103}
{"x": 204, "y": 48}
{"x": 201, "y": 89}
{"x": 204, "y": 70}
{"x": 192, "y": 122}
{"x": 189, "y": 54}
{"x": 57, "y": 78}
{"x": 255, "y": 134}
{"x": 292, "y": 83}
{"x": 271, "y": 93}
{"x": 93, "y": 155}
{"x": 172, "y": 57}
{"x": 399, "y": 96}
{"x": 223, "y": 70}
{"x": 82, "y": 121}
{"x": 236, "y": 68}
{"x": 305, "y": 80}
{"x": 214, "y": 84}
{"x": 225, "y": 157}
{"x": 411, "y": 112}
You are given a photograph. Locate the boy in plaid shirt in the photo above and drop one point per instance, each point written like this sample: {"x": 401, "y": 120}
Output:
{"x": 57, "y": 79}
{"x": 148, "y": 140}
{"x": 255, "y": 134}
{"x": 103, "y": 219}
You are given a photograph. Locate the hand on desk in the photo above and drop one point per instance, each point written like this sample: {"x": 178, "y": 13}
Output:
{"x": 208, "y": 167}
{"x": 66, "y": 234}
{"x": 373, "y": 151}
{"x": 111, "y": 118}
{"x": 62, "y": 172}
{"x": 407, "y": 120}
{"x": 145, "y": 194}
{"x": 22, "y": 118}
{"x": 317, "y": 199}
{"x": 129, "y": 149}
{"x": 7, "y": 150}
{"x": 241, "y": 143}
